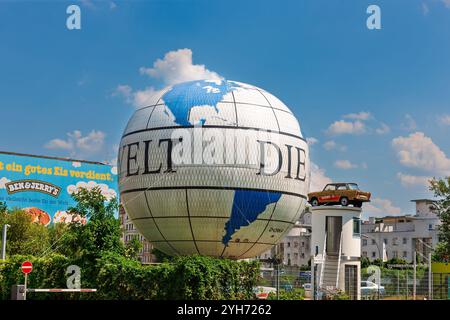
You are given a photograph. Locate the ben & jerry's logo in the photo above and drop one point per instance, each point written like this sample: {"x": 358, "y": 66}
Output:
{"x": 32, "y": 185}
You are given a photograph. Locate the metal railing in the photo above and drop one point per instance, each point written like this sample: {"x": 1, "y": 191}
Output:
{"x": 322, "y": 266}
{"x": 339, "y": 261}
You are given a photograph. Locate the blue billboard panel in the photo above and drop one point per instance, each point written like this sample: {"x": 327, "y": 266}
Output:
{"x": 42, "y": 186}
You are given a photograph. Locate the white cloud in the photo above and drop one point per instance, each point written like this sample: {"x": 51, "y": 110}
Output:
{"x": 77, "y": 144}
{"x": 445, "y": 120}
{"x": 409, "y": 180}
{"x": 3, "y": 182}
{"x": 363, "y": 115}
{"x": 88, "y": 3}
{"x": 138, "y": 98}
{"x": 114, "y": 170}
{"x": 383, "y": 129}
{"x": 106, "y": 191}
{"x": 318, "y": 178}
{"x": 378, "y": 207}
{"x": 332, "y": 145}
{"x": 344, "y": 164}
{"x": 311, "y": 141}
{"x": 409, "y": 124}
{"x": 92, "y": 142}
{"x": 425, "y": 9}
{"x": 59, "y": 144}
{"x": 76, "y": 164}
{"x": 419, "y": 151}
{"x": 176, "y": 66}
{"x": 124, "y": 90}
{"x": 346, "y": 127}
{"x": 147, "y": 96}
{"x": 446, "y": 3}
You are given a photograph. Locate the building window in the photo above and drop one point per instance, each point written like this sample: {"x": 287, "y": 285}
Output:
{"x": 373, "y": 254}
{"x": 303, "y": 243}
{"x": 405, "y": 254}
{"x": 288, "y": 244}
{"x": 295, "y": 255}
{"x": 430, "y": 227}
{"x": 364, "y": 242}
{"x": 394, "y": 254}
{"x": 303, "y": 255}
{"x": 394, "y": 241}
{"x": 356, "y": 226}
{"x": 373, "y": 242}
{"x": 385, "y": 240}
{"x": 364, "y": 253}
{"x": 405, "y": 240}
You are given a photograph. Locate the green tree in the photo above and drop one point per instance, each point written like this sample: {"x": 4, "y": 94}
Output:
{"x": 441, "y": 189}
{"x": 3, "y": 207}
{"x": 132, "y": 248}
{"x": 365, "y": 262}
{"x": 24, "y": 236}
{"x": 395, "y": 261}
{"x": 161, "y": 256}
{"x": 102, "y": 233}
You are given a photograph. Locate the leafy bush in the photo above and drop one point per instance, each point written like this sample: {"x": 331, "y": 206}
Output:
{"x": 117, "y": 277}
{"x": 109, "y": 266}
{"x": 48, "y": 272}
{"x": 295, "y": 294}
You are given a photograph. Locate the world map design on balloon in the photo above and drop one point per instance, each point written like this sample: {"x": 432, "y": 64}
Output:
{"x": 246, "y": 191}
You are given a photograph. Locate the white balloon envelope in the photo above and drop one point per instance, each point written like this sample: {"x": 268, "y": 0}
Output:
{"x": 213, "y": 167}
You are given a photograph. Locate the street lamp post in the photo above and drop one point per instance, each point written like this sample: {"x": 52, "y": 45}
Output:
{"x": 5, "y": 227}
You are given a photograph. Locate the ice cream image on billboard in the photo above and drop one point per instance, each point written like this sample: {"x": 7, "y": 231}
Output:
{"x": 214, "y": 167}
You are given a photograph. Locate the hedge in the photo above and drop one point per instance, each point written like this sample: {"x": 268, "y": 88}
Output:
{"x": 116, "y": 277}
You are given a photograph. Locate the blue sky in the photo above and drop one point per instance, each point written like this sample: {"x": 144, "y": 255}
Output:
{"x": 376, "y": 102}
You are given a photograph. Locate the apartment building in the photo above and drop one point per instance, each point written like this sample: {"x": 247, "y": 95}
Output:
{"x": 400, "y": 236}
{"x": 130, "y": 232}
{"x": 294, "y": 248}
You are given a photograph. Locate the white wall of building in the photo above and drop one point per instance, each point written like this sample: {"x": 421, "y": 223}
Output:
{"x": 351, "y": 245}
{"x": 400, "y": 234}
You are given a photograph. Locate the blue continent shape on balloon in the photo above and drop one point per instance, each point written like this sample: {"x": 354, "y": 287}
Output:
{"x": 247, "y": 206}
{"x": 184, "y": 96}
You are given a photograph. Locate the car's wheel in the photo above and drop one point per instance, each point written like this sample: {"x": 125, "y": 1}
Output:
{"x": 344, "y": 201}
{"x": 314, "y": 202}
{"x": 358, "y": 204}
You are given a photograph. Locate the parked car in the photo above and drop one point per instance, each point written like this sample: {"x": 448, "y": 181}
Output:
{"x": 262, "y": 292}
{"x": 339, "y": 193}
{"x": 369, "y": 288}
{"x": 304, "y": 275}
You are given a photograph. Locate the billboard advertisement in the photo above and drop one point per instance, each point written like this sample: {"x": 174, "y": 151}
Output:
{"x": 42, "y": 186}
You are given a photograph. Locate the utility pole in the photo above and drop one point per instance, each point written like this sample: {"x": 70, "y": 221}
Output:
{"x": 414, "y": 278}
{"x": 430, "y": 278}
{"x": 5, "y": 228}
{"x": 277, "y": 266}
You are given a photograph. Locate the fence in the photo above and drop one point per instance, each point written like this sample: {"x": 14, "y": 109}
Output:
{"x": 395, "y": 284}
{"x": 441, "y": 286}
{"x": 289, "y": 277}
{"x": 399, "y": 284}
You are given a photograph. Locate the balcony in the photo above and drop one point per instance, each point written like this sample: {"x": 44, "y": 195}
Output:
{"x": 397, "y": 227}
